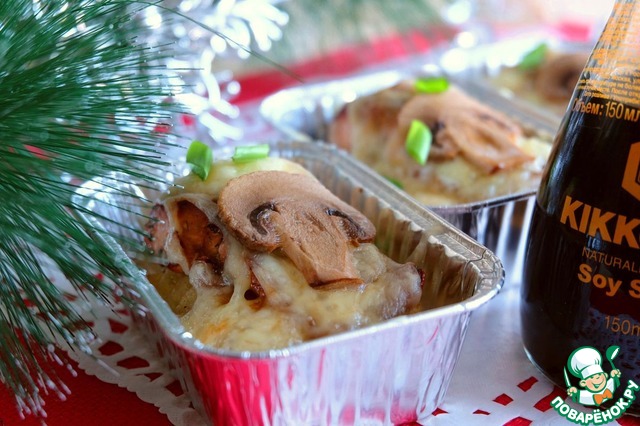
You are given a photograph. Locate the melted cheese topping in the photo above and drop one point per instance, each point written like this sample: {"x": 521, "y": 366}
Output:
{"x": 223, "y": 171}
{"x": 293, "y": 311}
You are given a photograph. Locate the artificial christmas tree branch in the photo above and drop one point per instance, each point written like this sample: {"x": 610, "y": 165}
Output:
{"x": 80, "y": 98}
{"x": 85, "y": 93}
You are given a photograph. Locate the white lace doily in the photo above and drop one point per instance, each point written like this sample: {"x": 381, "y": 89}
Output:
{"x": 121, "y": 355}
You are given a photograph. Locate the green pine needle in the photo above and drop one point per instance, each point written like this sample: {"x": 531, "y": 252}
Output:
{"x": 80, "y": 97}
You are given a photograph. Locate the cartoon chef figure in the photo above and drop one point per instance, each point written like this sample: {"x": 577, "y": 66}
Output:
{"x": 585, "y": 363}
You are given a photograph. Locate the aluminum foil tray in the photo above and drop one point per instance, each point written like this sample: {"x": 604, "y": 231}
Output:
{"x": 501, "y": 223}
{"x": 390, "y": 373}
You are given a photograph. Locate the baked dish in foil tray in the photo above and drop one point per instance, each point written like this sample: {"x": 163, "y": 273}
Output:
{"x": 300, "y": 288}
{"x": 534, "y": 72}
{"x": 261, "y": 256}
{"x": 477, "y": 152}
{"x": 546, "y": 80}
{"x": 486, "y": 153}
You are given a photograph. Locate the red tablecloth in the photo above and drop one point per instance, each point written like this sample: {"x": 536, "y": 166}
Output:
{"x": 92, "y": 402}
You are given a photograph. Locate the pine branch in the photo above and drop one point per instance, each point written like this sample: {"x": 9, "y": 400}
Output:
{"x": 80, "y": 98}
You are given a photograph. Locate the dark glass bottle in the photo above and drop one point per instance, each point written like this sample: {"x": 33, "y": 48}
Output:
{"x": 581, "y": 280}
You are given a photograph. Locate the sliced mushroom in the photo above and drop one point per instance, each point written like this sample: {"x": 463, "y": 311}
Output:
{"x": 376, "y": 116}
{"x": 483, "y": 139}
{"x": 429, "y": 107}
{"x": 380, "y": 110}
{"x": 271, "y": 210}
{"x": 461, "y": 126}
{"x": 558, "y": 76}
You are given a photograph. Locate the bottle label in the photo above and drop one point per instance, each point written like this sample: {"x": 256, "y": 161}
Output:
{"x": 595, "y": 222}
{"x": 581, "y": 278}
{"x": 604, "y": 117}
{"x": 631, "y": 177}
{"x": 613, "y": 68}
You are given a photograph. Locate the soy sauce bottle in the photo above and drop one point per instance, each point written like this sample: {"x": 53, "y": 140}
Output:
{"x": 581, "y": 280}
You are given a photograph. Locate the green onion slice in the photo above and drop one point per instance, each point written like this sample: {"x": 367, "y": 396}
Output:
{"x": 394, "y": 181}
{"x": 200, "y": 157}
{"x": 247, "y": 153}
{"x": 418, "y": 142}
{"x": 534, "y": 58}
{"x": 431, "y": 85}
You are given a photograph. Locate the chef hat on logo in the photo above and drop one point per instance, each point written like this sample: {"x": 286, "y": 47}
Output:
{"x": 584, "y": 362}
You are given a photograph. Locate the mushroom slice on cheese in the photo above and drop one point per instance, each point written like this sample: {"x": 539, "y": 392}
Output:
{"x": 557, "y": 78}
{"x": 463, "y": 126}
{"x": 271, "y": 210}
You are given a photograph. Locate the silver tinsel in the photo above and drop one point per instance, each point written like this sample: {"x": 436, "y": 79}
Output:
{"x": 204, "y": 30}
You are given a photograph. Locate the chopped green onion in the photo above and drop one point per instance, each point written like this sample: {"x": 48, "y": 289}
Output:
{"x": 418, "y": 142}
{"x": 431, "y": 85}
{"x": 200, "y": 157}
{"x": 394, "y": 181}
{"x": 247, "y": 153}
{"x": 534, "y": 58}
